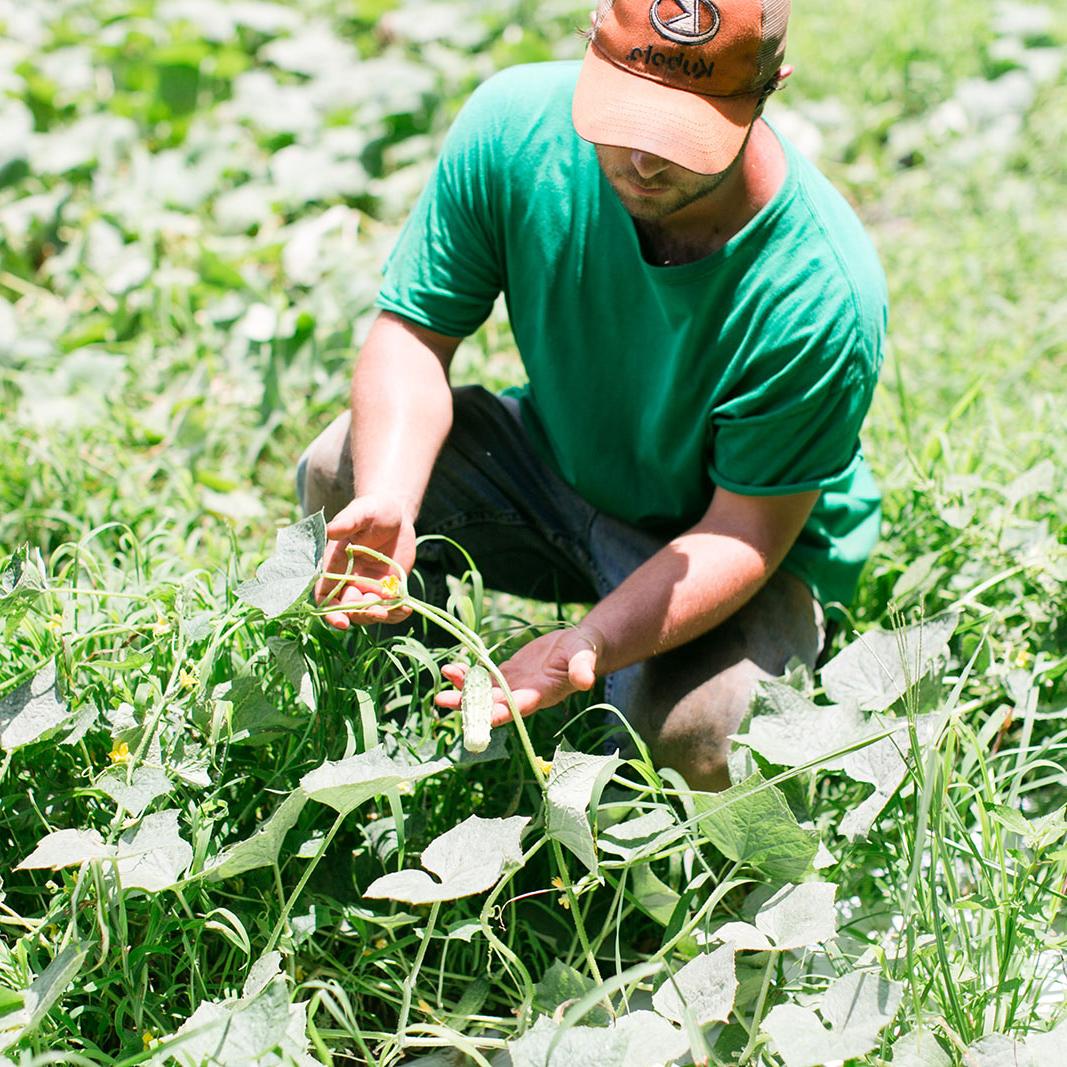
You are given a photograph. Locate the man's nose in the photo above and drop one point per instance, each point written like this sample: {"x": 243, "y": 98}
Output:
{"x": 646, "y": 164}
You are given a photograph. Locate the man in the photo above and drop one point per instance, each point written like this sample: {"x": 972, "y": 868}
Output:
{"x": 701, "y": 318}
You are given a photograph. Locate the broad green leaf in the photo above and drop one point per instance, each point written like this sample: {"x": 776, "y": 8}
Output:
{"x": 645, "y": 835}
{"x": 751, "y": 823}
{"x": 32, "y": 711}
{"x": 153, "y": 856}
{"x": 857, "y": 1007}
{"x": 283, "y": 579}
{"x": 470, "y": 858}
{"x": 259, "y": 1027}
{"x": 799, "y": 915}
{"x": 1000, "y": 1050}
{"x": 261, "y": 849}
{"x": 134, "y": 794}
{"x": 66, "y": 848}
{"x": 578, "y": 1046}
{"x": 654, "y": 897}
{"x": 21, "y": 583}
{"x": 1040, "y": 478}
{"x": 41, "y": 994}
{"x": 345, "y": 784}
{"x": 653, "y": 1041}
{"x": 882, "y": 764}
{"x": 1050, "y": 1048}
{"x": 576, "y": 781}
{"x": 561, "y": 984}
{"x": 919, "y": 1049}
{"x": 879, "y": 667}
{"x": 290, "y": 658}
{"x": 790, "y": 730}
{"x": 705, "y": 987}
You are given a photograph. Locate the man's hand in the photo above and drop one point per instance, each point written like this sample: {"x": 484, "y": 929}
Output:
{"x": 378, "y": 522}
{"x": 540, "y": 675}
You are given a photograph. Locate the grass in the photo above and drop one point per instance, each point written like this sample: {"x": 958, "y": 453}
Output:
{"x": 150, "y": 432}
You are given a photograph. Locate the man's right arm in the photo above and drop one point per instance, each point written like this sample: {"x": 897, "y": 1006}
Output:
{"x": 401, "y": 415}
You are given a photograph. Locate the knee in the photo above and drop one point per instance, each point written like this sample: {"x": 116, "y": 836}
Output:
{"x": 324, "y": 471}
{"x": 692, "y": 734}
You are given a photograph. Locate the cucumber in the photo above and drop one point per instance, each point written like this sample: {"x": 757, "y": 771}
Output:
{"x": 477, "y": 708}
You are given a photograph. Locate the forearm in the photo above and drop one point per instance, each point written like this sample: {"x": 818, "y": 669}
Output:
{"x": 401, "y": 412}
{"x": 687, "y": 588}
{"x": 698, "y": 580}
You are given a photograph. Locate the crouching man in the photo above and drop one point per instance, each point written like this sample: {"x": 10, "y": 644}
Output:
{"x": 701, "y": 319}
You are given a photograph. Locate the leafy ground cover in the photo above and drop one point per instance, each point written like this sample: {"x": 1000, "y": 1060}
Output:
{"x": 235, "y": 836}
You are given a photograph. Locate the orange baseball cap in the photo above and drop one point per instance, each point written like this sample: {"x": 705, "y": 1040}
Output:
{"x": 680, "y": 79}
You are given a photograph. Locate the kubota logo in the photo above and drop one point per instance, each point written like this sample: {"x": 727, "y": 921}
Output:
{"x": 698, "y": 22}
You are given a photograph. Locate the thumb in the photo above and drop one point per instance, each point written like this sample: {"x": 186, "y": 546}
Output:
{"x": 348, "y": 520}
{"x": 581, "y": 670}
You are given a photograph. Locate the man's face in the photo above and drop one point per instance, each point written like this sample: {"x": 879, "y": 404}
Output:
{"x": 650, "y": 187}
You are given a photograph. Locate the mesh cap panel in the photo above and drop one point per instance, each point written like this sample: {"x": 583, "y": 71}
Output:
{"x": 769, "y": 57}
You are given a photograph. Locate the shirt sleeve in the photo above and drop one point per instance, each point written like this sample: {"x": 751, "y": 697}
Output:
{"x": 799, "y": 431}
{"x": 445, "y": 270}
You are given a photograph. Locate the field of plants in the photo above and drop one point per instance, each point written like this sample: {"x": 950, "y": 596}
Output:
{"x": 235, "y": 836}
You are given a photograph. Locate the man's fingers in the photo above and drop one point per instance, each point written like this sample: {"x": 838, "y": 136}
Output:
{"x": 348, "y": 520}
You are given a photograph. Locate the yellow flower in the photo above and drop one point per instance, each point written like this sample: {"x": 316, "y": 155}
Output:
{"x": 544, "y": 766}
{"x": 120, "y": 752}
{"x": 390, "y": 587}
{"x": 189, "y": 676}
{"x": 1024, "y": 658}
{"x": 425, "y": 1008}
{"x": 380, "y": 943}
{"x": 148, "y": 1039}
{"x": 160, "y": 627}
{"x": 564, "y": 902}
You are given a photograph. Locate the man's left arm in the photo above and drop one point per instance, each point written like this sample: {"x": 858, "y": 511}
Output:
{"x": 691, "y": 585}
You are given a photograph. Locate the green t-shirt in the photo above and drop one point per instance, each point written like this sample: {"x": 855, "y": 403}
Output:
{"x": 751, "y": 368}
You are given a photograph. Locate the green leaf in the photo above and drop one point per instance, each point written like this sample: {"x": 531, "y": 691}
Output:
{"x": 153, "y": 856}
{"x": 283, "y": 579}
{"x": 42, "y": 993}
{"x": 789, "y": 730}
{"x": 576, "y": 781}
{"x": 251, "y": 1029}
{"x": 134, "y": 794}
{"x": 654, "y": 897}
{"x": 705, "y": 988}
{"x": 1050, "y": 1048}
{"x": 857, "y": 1007}
{"x": 66, "y": 848}
{"x": 578, "y": 1046}
{"x": 644, "y": 835}
{"x": 32, "y": 711}
{"x": 470, "y": 858}
{"x": 794, "y": 917}
{"x": 919, "y": 1049}
{"x": 262, "y": 848}
{"x": 878, "y": 668}
{"x": 562, "y": 984}
{"x": 347, "y": 783}
{"x": 751, "y": 823}
{"x": 882, "y": 764}
{"x": 21, "y": 583}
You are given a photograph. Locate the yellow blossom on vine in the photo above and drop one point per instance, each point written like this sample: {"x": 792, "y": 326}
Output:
{"x": 380, "y": 943}
{"x": 564, "y": 903}
{"x": 544, "y": 766}
{"x": 390, "y": 587}
{"x": 425, "y": 1008}
{"x": 120, "y": 752}
{"x": 148, "y": 1039}
{"x": 189, "y": 676}
{"x": 1024, "y": 658}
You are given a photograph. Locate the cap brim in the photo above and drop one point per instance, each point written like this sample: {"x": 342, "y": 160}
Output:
{"x": 701, "y": 133}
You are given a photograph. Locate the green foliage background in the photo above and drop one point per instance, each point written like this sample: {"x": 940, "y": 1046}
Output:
{"x": 195, "y": 199}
